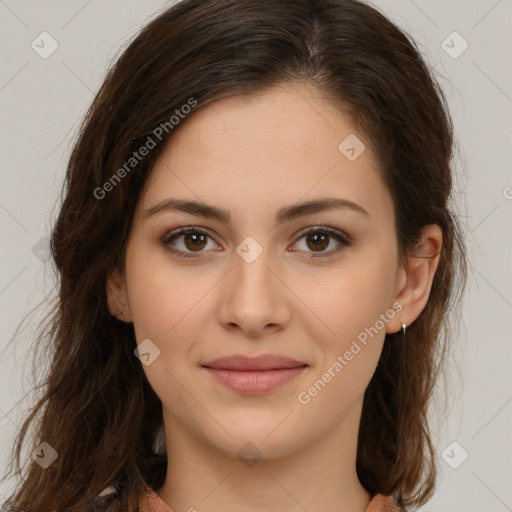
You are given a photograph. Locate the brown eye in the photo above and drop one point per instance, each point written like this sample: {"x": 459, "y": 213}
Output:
{"x": 194, "y": 241}
{"x": 318, "y": 239}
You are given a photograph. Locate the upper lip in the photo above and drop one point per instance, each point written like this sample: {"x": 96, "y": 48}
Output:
{"x": 263, "y": 362}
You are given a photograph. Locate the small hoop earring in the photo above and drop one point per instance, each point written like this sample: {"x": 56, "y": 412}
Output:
{"x": 404, "y": 328}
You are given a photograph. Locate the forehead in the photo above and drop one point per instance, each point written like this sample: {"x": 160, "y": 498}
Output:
{"x": 268, "y": 149}
{"x": 286, "y": 120}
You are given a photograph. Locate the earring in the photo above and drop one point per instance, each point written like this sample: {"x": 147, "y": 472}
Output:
{"x": 404, "y": 328}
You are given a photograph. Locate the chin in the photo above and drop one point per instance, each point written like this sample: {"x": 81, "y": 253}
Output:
{"x": 265, "y": 437}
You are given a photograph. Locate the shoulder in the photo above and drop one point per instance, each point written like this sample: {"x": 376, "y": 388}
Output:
{"x": 150, "y": 501}
{"x": 381, "y": 503}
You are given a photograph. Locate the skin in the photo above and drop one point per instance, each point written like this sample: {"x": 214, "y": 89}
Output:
{"x": 252, "y": 155}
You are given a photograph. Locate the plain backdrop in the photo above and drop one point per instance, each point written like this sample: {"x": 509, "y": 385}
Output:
{"x": 42, "y": 101}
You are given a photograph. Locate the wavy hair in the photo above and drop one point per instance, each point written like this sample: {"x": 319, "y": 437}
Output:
{"x": 96, "y": 408}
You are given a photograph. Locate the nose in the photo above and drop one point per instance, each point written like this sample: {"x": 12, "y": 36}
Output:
{"x": 255, "y": 297}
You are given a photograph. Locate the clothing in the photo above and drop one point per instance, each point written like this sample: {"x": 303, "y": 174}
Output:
{"x": 151, "y": 502}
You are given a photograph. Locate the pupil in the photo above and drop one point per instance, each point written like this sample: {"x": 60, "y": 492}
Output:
{"x": 319, "y": 240}
{"x": 196, "y": 238}
{"x": 319, "y": 243}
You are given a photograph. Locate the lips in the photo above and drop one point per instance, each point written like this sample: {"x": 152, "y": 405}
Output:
{"x": 254, "y": 375}
{"x": 263, "y": 362}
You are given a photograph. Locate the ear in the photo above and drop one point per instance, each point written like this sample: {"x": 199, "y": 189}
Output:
{"x": 415, "y": 277}
{"x": 117, "y": 297}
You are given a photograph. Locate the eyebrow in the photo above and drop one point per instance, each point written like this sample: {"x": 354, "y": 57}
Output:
{"x": 284, "y": 214}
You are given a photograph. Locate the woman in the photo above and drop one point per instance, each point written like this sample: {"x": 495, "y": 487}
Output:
{"x": 257, "y": 258}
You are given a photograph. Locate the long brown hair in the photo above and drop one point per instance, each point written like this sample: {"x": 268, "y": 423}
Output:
{"x": 97, "y": 409}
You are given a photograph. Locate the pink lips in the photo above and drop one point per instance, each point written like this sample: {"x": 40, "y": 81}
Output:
{"x": 254, "y": 375}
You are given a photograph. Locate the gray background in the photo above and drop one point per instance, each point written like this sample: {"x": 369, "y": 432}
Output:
{"x": 42, "y": 102}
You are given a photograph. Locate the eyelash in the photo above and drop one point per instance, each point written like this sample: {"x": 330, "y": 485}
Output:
{"x": 344, "y": 240}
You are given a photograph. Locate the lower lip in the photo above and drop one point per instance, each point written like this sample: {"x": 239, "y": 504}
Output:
{"x": 255, "y": 382}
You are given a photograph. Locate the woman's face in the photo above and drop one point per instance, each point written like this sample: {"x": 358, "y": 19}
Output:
{"x": 269, "y": 279}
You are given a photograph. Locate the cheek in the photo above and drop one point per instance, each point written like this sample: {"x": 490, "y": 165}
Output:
{"x": 354, "y": 308}
{"x": 349, "y": 351}
{"x": 350, "y": 299}
{"x": 159, "y": 306}
{"x": 172, "y": 318}
{"x": 162, "y": 295}
{"x": 167, "y": 309}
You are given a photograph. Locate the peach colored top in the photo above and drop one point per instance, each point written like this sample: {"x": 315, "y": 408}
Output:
{"x": 151, "y": 502}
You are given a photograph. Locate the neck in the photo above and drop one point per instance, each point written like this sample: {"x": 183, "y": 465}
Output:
{"x": 318, "y": 476}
